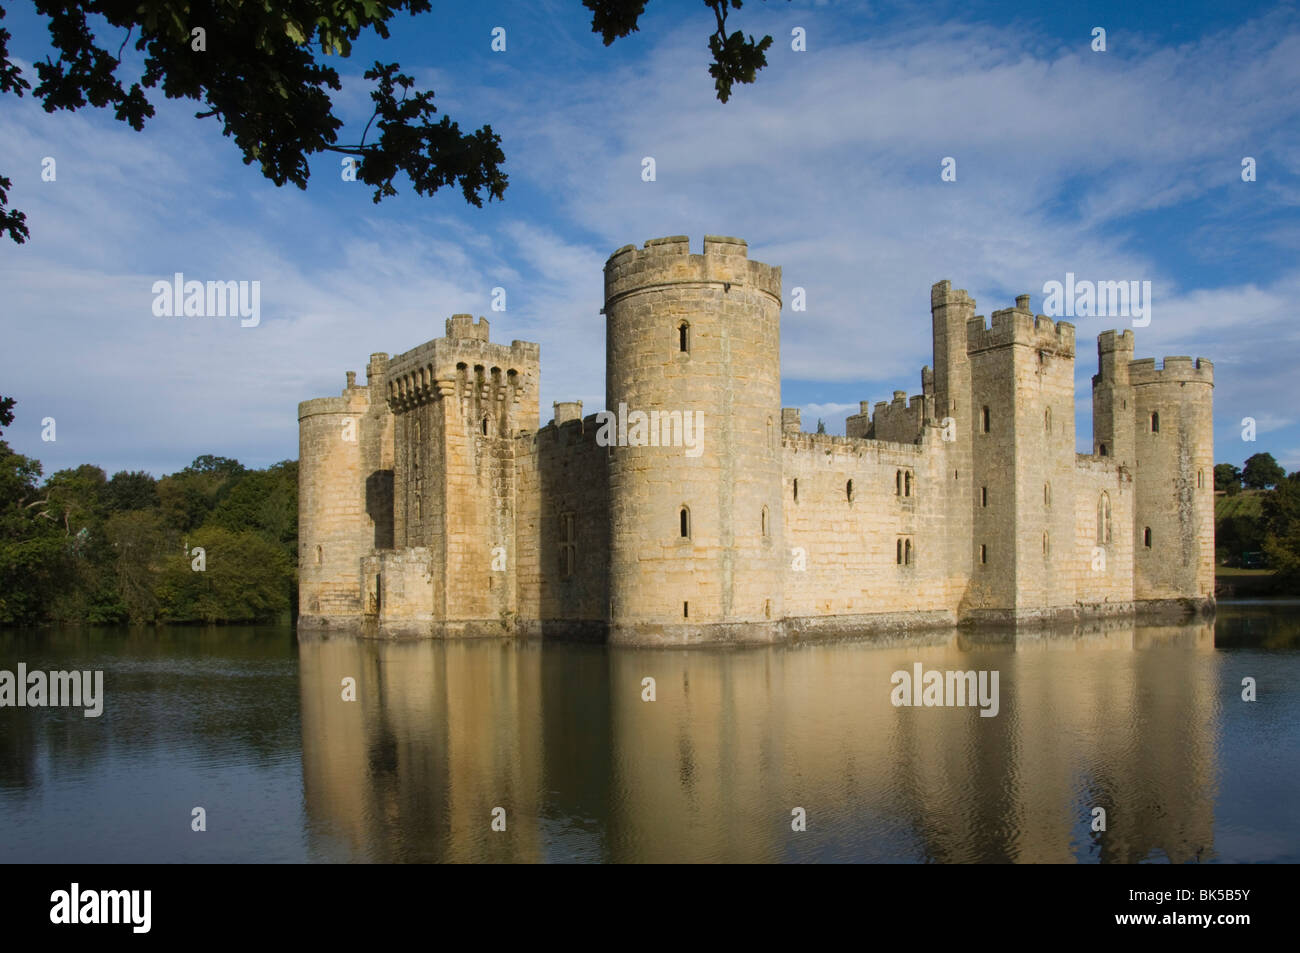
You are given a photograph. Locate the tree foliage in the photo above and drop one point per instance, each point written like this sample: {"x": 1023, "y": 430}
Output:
{"x": 258, "y": 75}
{"x": 82, "y": 548}
{"x": 1262, "y": 471}
{"x": 1227, "y": 477}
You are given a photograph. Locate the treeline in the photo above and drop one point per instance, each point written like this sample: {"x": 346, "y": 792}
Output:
{"x": 1257, "y": 519}
{"x": 214, "y": 542}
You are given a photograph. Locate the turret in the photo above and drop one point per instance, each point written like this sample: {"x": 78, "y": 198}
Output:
{"x": 1173, "y": 526}
{"x": 693, "y": 383}
{"x": 345, "y": 504}
{"x": 1022, "y": 436}
{"x": 1112, "y": 398}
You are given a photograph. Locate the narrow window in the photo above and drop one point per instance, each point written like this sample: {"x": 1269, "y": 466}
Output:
{"x": 684, "y": 337}
{"x": 848, "y": 491}
{"x": 984, "y": 419}
{"x": 898, "y": 552}
{"x": 318, "y": 555}
{"x": 419, "y": 509}
{"x": 984, "y": 554}
{"x": 766, "y": 531}
{"x": 767, "y": 608}
{"x": 984, "y": 496}
{"x": 484, "y": 426}
{"x": 568, "y": 545}
{"x": 1047, "y": 420}
{"x": 1047, "y": 494}
{"x": 907, "y": 552}
{"x": 1146, "y": 537}
{"x": 907, "y": 483}
{"x": 1047, "y": 544}
{"x": 796, "y": 489}
{"x": 898, "y": 483}
{"x": 1155, "y": 423}
{"x": 1103, "y": 450}
{"x": 1103, "y": 519}
{"x": 685, "y": 516}
{"x": 686, "y": 610}
{"x": 1200, "y": 479}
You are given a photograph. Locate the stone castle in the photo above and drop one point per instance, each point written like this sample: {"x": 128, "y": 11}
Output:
{"x": 431, "y": 506}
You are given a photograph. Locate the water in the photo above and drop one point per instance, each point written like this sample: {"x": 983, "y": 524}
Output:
{"x": 1145, "y": 722}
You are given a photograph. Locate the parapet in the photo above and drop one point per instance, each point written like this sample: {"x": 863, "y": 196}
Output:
{"x": 1179, "y": 369}
{"x": 1111, "y": 341}
{"x": 942, "y": 293}
{"x": 566, "y": 410}
{"x": 668, "y": 261}
{"x": 464, "y": 326}
{"x": 1016, "y": 326}
{"x": 790, "y": 420}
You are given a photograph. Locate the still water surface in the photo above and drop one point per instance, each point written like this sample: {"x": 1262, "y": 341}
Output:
{"x": 1146, "y": 722}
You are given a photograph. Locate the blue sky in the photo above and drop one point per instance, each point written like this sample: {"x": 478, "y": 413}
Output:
{"x": 1123, "y": 165}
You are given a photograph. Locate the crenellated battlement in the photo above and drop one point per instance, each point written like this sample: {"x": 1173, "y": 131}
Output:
{"x": 1109, "y": 342}
{"x": 942, "y": 293}
{"x": 1178, "y": 369}
{"x": 665, "y": 262}
{"x": 1019, "y": 326}
{"x": 464, "y": 362}
{"x": 834, "y": 446}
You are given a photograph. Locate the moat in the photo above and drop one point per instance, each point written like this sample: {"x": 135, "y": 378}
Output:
{"x": 1145, "y": 721}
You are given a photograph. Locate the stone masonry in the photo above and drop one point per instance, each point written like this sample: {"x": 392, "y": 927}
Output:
{"x": 695, "y": 509}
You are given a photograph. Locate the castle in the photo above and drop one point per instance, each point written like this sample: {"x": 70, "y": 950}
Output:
{"x": 431, "y": 506}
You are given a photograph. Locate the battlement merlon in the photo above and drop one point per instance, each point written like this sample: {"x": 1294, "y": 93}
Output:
{"x": 942, "y": 293}
{"x": 665, "y": 262}
{"x": 1020, "y": 327}
{"x": 1178, "y": 370}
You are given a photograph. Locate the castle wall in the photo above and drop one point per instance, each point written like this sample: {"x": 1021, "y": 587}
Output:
{"x": 872, "y": 549}
{"x": 562, "y": 531}
{"x": 1102, "y": 558}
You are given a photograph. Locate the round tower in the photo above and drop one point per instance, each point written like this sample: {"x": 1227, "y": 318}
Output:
{"x": 693, "y": 423}
{"x": 1173, "y": 518}
{"x": 332, "y": 519}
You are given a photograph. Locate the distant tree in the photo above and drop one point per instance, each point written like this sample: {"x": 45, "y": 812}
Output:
{"x": 821, "y": 425}
{"x": 224, "y": 466}
{"x": 34, "y": 551}
{"x": 134, "y": 490}
{"x": 1227, "y": 477}
{"x": 1262, "y": 471}
{"x": 1281, "y": 519}
{"x": 139, "y": 541}
{"x": 245, "y": 579}
{"x": 265, "y": 501}
{"x": 189, "y": 496}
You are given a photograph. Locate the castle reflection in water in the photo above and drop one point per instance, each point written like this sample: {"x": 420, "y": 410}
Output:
{"x": 1116, "y": 717}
